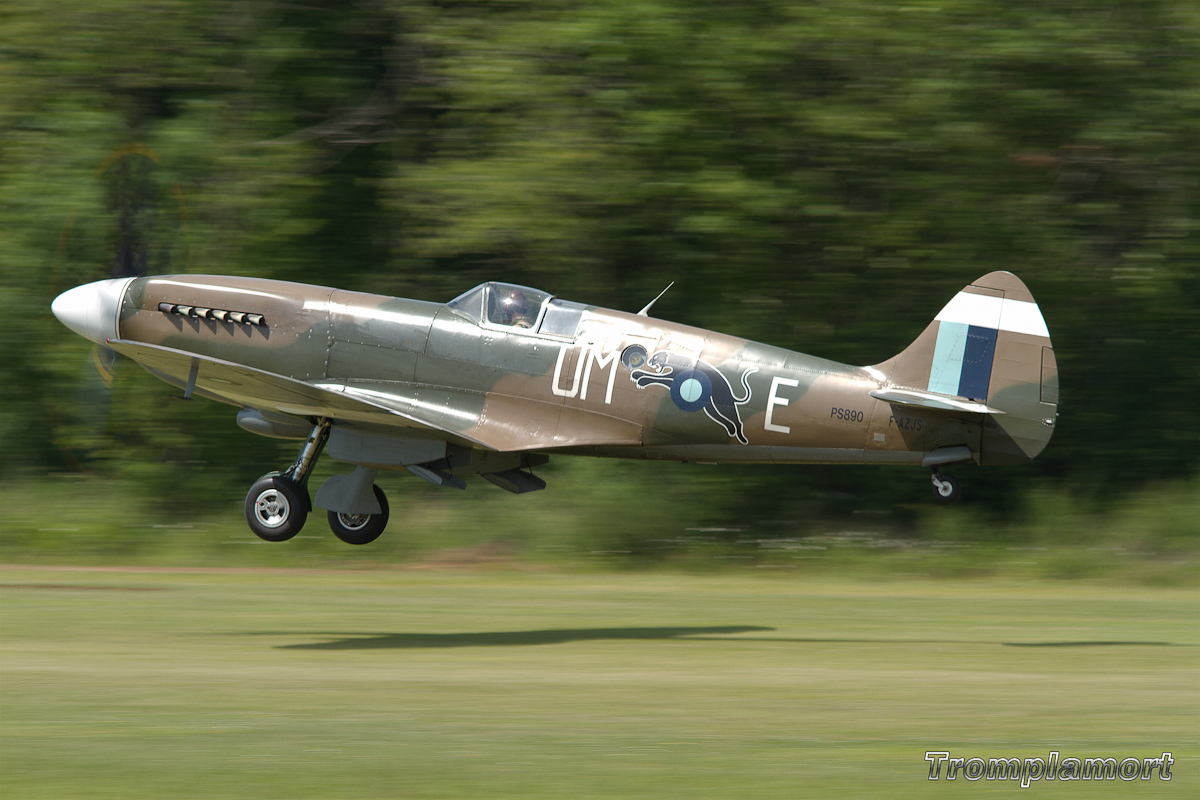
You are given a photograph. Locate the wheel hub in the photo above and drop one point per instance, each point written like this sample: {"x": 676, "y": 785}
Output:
{"x": 354, "y": 522}
{"x": 271, "y": 508}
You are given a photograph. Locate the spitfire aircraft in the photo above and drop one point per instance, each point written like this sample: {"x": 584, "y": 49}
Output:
{"x": 500, "y": 378}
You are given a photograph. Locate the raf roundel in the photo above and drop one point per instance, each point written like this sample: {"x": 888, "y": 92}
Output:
{"x": 691, "y": 390}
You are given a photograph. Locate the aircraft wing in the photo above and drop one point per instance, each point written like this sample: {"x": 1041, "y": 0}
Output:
{"x": 498, "y": 421}
{"x": 240, "y": 385}
{"x": 490, "y": 421}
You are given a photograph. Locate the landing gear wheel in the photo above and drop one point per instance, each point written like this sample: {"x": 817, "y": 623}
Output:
{"x": 360, "y": 528}
{"x": 945, "y": 489}
{"x": 276, "y": 508}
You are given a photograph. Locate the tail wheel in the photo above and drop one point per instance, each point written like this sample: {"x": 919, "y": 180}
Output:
{"x": 360, "y": 528}
{"x": 276, "y": 508}
{"x": 946, "y": 489}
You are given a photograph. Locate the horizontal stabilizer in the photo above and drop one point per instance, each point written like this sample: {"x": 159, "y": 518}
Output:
{"x": 932, "y": 400}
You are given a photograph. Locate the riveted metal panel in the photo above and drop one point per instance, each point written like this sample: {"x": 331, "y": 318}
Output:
{"x": 1049, "y": 376}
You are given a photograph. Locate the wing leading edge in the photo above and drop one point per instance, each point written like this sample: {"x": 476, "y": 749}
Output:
{"x": 490, "y": 421}
{"x": 240, "y": 385}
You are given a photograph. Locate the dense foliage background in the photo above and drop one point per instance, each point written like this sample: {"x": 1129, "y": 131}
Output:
{"x": 818, "y": 175}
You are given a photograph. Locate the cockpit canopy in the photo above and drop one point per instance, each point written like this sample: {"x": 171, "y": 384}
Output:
{"x": 519, "y": 308}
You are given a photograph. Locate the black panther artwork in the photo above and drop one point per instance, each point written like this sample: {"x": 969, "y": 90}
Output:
{"x": 694, "y": 385}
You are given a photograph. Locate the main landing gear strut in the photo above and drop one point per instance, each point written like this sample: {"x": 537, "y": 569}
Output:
{"x": 277, "y": 505}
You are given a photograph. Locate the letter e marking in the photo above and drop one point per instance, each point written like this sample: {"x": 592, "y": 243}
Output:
{"x": 773, "y": 399}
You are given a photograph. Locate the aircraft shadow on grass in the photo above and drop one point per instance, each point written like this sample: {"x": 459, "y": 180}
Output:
{"x": 1087, "y": 644}
{"x": 402, "y": 641}
{"x": 405, "y": 641}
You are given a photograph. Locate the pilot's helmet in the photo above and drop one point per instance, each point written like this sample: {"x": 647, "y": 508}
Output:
{"x": 512, "y": 307}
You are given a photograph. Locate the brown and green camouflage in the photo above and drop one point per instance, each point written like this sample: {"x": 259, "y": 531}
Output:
{"x": 504, "y": 375}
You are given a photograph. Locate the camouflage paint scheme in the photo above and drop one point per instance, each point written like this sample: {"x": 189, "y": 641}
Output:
{"x": 449, "y": 385}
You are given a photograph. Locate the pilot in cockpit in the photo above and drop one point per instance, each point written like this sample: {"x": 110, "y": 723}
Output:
{"x": 514, "y": 310}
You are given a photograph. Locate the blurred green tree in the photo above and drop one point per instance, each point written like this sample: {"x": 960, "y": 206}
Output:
{"x": 821, "y": 176}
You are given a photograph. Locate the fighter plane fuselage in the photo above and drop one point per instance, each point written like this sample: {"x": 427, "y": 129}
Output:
{"x": 501, "y": 377}
{"x": 760, "y": 403}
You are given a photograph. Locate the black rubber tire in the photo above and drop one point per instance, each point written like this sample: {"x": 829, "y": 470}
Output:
{"x": 360, "y": 528}
{"x": 276, "y": 508}
{"x": 950, "y": 491}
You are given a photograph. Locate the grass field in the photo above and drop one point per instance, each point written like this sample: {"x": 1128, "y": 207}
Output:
{"x": 1147, "y": 539}
{"x": 528, "y": 684}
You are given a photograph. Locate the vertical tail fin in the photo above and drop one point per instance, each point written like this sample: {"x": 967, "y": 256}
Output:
{"x": 990, "y": 345}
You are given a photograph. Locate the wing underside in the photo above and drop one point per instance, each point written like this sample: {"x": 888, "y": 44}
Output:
{"x": 248, "y": 387}
{"x": 490, "y": 420}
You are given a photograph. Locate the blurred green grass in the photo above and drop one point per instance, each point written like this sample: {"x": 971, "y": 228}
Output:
{"x": 618, "y": 515}
{"x": 160, "y": 683}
